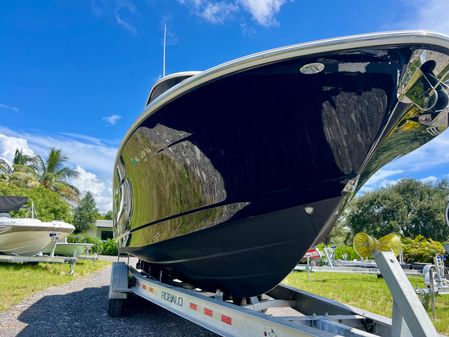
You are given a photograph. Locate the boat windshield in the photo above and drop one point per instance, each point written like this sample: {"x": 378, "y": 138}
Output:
{"x": 166, "y": 83}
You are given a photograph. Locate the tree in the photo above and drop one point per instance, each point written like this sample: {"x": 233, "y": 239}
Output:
{"x": 108, "y": 215}
{"x": 22, "y": 171}
{"x": 85, "y": 214}
{"x": 48, "y": 205}
{"x": 5, "y": 170}
{"x": 410, "y": 208}
{"x": 104, "y": 216}
{"x": 341, "y": 234}
{"x": 22, "y": 159}
{"x": 53, "y": 174}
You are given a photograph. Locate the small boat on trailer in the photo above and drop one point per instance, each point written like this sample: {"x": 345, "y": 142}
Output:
{"x": 27, "y": 236}
{"x": 64, "y": 248}
{"x": 231, "y": 174}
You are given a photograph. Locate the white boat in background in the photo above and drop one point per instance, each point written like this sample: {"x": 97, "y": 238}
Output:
{"x": 27, "y": 236}
{"x": 64, "y": 248}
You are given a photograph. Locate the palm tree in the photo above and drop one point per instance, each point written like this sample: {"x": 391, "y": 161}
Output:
{"x": 5, "y": 170}
{"x": 53, "y": 174}
{"x": 21, "y": 172}
{"x": 21, "y": 158}
{"x": 24, "y": 163}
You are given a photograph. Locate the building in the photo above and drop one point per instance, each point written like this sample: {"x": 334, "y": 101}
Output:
{"x": 101, "y": 230}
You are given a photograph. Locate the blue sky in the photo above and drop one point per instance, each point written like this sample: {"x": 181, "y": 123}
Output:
{"x": 75, "y": 74}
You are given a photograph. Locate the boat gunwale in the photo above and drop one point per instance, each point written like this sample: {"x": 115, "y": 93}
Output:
{"x": 402, "y": 37}
{"x": 33, "y": 225}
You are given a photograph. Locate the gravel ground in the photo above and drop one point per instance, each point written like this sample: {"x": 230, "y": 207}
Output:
{"x": 79, "y": 309}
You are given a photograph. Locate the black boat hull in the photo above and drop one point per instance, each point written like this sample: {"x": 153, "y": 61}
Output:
{"x": 228, "y": 179}
{"x": 228, "y": 258}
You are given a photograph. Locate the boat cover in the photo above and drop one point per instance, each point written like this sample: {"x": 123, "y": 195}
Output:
{"x": 11, "y": 203}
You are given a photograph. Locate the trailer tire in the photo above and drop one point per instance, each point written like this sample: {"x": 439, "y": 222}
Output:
{"x": 115, "y": 307}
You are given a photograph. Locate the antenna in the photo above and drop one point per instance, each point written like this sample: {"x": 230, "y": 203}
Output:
{"x": 165, "y": 44}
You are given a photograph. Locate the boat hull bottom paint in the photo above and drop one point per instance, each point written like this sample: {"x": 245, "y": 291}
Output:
{"x": 236, "y": 257}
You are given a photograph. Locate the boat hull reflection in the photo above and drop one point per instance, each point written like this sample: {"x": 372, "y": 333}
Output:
{"x": 231, "y": 175}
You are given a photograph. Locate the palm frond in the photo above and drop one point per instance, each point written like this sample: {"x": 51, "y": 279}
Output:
{"x": 5, "y": 168}
{"x": 66, "y": 173}
{"x": 66, "y": 190}
{"x": 21, "y": 159}
{"x": 55, "y": 160}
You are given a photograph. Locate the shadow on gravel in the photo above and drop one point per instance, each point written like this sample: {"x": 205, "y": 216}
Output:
{"x": 83, "y": 313}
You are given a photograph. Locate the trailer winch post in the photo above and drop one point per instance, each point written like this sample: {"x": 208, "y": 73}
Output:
{"x": 409, "y": 316}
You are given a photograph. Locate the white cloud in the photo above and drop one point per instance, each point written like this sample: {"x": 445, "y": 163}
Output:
{"x": 217, "y": 12}
{"x": 429, "y": 180}
{"x": 125, "y": 24}
{"x": 112, "y": 119}
{"x": 123, "y": 7}
{"x": 211, "y": 11}
{"x": 262, "y": 11}
{"x": 89, "y": 182}
{"x": 90, "y": 139}
{"x": 90, "y": 154}
{"x": 119, "y": 9}
{"x": 381, "y": 179}
{"x": 427, "y": 14}
{"x": 9, "y": 107}
{"x": 8, "y": 146}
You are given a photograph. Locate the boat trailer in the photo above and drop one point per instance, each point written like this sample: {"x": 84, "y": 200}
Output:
{"x": 43, "y": 259}
{"x": 312, "y": 315}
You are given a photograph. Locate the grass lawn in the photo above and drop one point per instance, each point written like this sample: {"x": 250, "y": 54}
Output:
{"x": 365, "y": 292}
{"x": 19, "y": 281}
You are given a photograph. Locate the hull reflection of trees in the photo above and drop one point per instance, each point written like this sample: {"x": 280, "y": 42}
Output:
{"x": 174, "y": 177}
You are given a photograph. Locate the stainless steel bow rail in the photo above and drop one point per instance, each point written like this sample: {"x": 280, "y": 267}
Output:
{"x": 307, "y": 314}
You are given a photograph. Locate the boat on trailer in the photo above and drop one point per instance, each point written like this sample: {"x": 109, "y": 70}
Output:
{"x": 231, "y": 174}
{"x": 64, "y": 248}
{"x": 27, "y": 236}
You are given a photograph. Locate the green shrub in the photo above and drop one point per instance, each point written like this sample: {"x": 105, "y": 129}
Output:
{"x": 48, "y": 205}
{"x": 84, "y": 238}
{"x": 340, "y": 253}
{"x": 421, "y": 249}
{"x": 110, "y": 247}
{"x": 345, "y": 253}
{"x": 320, "y": 247}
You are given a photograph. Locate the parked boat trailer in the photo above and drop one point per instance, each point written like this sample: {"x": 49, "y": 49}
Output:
{"x": 316, "y": 315}
{"x": 44, "y": 259}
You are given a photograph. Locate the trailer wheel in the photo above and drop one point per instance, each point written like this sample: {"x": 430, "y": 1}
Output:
{"x": 115, "y": 307}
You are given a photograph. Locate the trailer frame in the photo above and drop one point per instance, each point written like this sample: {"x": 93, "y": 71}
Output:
{"x": 314, "y": 315}
{"x": 43, "y": 259}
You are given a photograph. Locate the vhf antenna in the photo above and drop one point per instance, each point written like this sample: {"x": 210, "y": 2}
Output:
{"x": 165, "y": 44}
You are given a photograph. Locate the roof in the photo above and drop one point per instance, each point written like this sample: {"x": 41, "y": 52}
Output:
{"x": 103, "y": 223}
